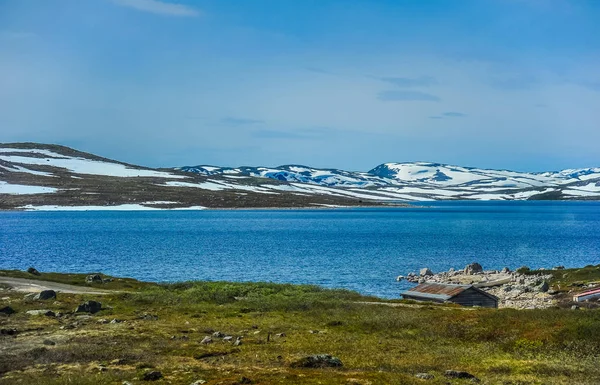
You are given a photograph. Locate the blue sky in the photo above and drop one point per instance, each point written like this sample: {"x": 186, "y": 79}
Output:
{"x": 347, "y": 84}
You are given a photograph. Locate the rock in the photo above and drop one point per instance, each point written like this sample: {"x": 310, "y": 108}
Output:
{"x": 89, "y": 307}
{"x": 450, "y": 270}
{"x": 399, "y": 278}
{"x": 33, "y": 270}
{"x": 459, "y": 374}
{"x": 574, "y": 307}
{"x": 505, "y": 270}
{"x": 45, "y": 312}
{"x": 7, "y": 310}
{"x": 153, "y": 375}
{"x": 228, "y": 338}
{"x": 280, "y": 335}
{"x": 9, "y": 332}
{"x": 115, "y": 321}
{"x": 425, "y": 272}
{"x": 149, "y": 317}
{"x": 93, "y": 278}
{"x": 45, "y": 295}
{"x": 473, "y": 268}
{"x": 126, "y": 383}
{"x": 49, "y": 342}
{"x": 198, "y": 382}
{"x": 544, "y": 287}
{"x": 218, "y": 335}
{"x": 238, "y": 341}
{"x": 206, "y": 340}
{"x": 558, "y": 267}
{"x": 318, "y": 361}
{"x": 424, "y": 376}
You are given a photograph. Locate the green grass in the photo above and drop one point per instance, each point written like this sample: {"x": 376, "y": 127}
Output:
{"x": 377, "y": 344}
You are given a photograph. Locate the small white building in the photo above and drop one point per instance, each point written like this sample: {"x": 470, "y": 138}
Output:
{"x": 590, "y": 294}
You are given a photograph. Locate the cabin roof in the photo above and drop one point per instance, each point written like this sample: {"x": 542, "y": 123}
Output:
{"x": 441, "y": 291}
{"x": 589, "y": 292}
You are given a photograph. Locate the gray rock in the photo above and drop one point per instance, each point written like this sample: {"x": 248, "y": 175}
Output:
{"x": 45, "y": 295}
{"x": 228, "y": 338}
{"x": 280, "y": 335}
{"x": 218, "y": 335}
{"x": 49, "y": 342}
{"x": 424, "y": 376}
{"x": 473, "y": 268}
{"x": 153, "y": 375}
{"x": 115, "y": 321}
{"x": 198, "y": 382}
{"x": 399, "y": 278}
{"x": 505, "y": 270}
{"x": 558, "y": 267}
{"x": 425, "y": 272}
{"x": 206, "y": 340}
{"x": 33, "y": 270}
{"x": 574, "y": 307}
{"x": 45, "y": 312}
{"x": 89, "y": 307}
{"x": 458, "y": 374}
{"x": 544, "y": 287}
{"x": 318, "y": 361}
{"x": 7, "y": 310}
{"x": 237, "y": 342}
{"x": 93, "y": 278}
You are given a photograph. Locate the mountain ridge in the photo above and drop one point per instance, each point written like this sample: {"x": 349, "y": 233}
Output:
{"x": 34, "y": 175}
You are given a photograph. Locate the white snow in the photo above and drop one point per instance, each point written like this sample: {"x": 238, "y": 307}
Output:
{"x": 84, "y": 166}
{"x": 20, "y": 189}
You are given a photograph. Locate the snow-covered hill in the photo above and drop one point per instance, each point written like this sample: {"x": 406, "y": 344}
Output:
{"x": 48, "y": 176}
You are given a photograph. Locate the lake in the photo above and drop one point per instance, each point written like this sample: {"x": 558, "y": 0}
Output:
{"x": 361, "y": 249}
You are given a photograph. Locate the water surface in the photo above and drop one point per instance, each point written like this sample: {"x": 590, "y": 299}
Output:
{"x": 359, "y": 249}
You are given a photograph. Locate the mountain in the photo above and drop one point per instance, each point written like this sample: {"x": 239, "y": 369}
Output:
{"x": 42, "y": 176}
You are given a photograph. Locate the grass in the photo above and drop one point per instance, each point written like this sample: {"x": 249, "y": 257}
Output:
{"x": 377, "y": 344}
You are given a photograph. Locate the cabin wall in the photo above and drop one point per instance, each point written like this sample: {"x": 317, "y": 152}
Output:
{"x": 417, "y": 298}
{"x": 471, "y": 297}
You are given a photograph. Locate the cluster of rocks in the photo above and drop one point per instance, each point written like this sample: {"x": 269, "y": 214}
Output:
{"x": 514, "y": 289}
{"x": 222, "y": 336}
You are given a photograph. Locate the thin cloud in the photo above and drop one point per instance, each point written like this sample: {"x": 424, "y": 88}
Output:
{"x": 423, "y": 81}
{"x": 453, "y": 114}
{"x": 436, "y": 117}
{"x": 232, "y": 121}
{"x": 159, "y": 7}
{"x": 406, "y": 96}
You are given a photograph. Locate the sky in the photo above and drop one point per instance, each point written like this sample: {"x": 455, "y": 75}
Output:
{"x": 349, "y": 84}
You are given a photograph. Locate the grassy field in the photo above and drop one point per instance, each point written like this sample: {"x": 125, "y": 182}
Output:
{"x": 162, "y": 327}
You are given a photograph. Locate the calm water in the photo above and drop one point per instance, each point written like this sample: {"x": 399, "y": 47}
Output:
{"x": 358, "y": 249}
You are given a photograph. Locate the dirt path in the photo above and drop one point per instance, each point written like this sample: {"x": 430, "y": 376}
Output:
{"x": 34, "y": 285}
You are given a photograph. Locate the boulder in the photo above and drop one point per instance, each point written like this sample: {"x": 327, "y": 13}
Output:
{"x": 238, "y": 341}
{"x": 424, "y": 272}
{"x": 458, "y": 374}
{"x": 399, "y": 278}
{"x": 33, "y": 270}
{"x": 89, "y": 307}
{"x": 45, "y": 295}
{"x": 561, "y": 267}
{"x": 93, "y": 278}
{"x": 317, "y": 361}
{"x": 46, "y": 312}
{"x": 544, "y": 287}
{"x": 198, "y": 382}
{"x": 218, "y": 335}
{"x": 7, "y": 310}
{"x": 505, "y": 270}
{"x": 153, "y": 375}
{"x": 424, "y": 376}
{"x": 206, "y": 340}
{"x": 473, "y": 268}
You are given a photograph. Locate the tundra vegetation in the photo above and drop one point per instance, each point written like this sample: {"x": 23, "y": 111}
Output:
{"x": 266, "y": 333}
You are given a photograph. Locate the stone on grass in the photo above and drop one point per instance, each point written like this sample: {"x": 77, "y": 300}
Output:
{"x": 238, "y": 341}
{"x": 49, "y": 342}
{"x": 473, "y": 268}
{"x": 45, "y": 312}
{"x": 424, "y": 376}
{"x": 206, "y": 340}
{"x": 459, "y": 374}
{"x": 7, "y": 310}
{"x": 45, "y": 295}
{"x": 228, "y": 338}
{"x": 153, "y": 375}
{"x": 317, "y": 361}
{"x": 33, "y": 270}
{"x": 218, "y": 335}
{"x": 198, "y": 382}
{"x": 89, "y": 307}
{"x": 93, "y": 278}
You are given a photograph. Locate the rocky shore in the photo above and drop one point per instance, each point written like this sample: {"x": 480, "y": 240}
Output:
{"x": 518, "y": 289}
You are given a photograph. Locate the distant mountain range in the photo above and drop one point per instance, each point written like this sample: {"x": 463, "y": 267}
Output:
{"x": 42, "y": 176}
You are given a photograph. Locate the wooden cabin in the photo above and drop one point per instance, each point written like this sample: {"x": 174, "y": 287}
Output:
{"x": 587, "y": 295}
{"x": 465, "y": 295}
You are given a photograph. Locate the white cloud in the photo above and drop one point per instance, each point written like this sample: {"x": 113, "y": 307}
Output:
{"x": 159, "y": 7}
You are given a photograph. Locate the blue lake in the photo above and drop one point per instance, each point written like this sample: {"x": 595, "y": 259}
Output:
{"x": 359, "y": 249}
